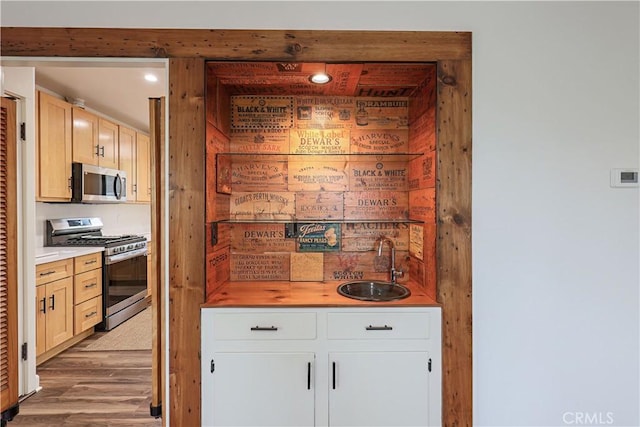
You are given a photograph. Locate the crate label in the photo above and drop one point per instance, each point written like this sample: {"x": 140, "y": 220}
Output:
{"x": 262, "y": 112}
{"x": 319, "y": 141}
{"x": 217, "y": 269}
{"x": 378, "y": 176}
{"x": 265, "y": 175}
{"x": 422, "y": 171}
{"x": 363, "y": 265}
{"x": 268, "y": 141}
{"x": 318, "y": 237}
{"x": 362, "y": 236}
{"x": 273, "y": 266}
{"x": 257, "y": 238}
{"x": 317, "y": 176}
{"x": 316, "y": 205}
{"x": 416, "y": 241}
{"x": 422, "y": 204}
{"x": 382, "y": 141}
{"x": 376, "y": 205}
{"x": 382, "y": 113}
{"x": 262, "y": 206}
{"x": 324, "y": 112}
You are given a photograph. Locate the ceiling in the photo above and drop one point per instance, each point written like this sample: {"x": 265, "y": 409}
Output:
{"x": 120, "y": 91}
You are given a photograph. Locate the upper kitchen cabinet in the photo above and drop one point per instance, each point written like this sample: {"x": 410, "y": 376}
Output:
{"x": 143, "y": 168}
{"x": 53, "y": 173}
{"x": 95, "y": 140}
{"x": 134, "y": 160}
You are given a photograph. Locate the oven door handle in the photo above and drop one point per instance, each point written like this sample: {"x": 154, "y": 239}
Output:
{"x": 112, "y": 259}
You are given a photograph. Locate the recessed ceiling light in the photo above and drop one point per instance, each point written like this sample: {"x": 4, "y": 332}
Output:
{"x": 150, "y": 78}
{"x": 320, "y": 78}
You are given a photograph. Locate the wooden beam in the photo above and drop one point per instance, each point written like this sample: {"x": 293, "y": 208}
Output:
{"x": 454, "y": 238}
{"x": 245, "y": 45}
{"x": 186, "y": 236}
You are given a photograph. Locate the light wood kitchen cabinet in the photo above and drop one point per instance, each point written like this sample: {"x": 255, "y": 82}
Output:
{"x": 54, "y": 305}
{"x": 108, "y": 140}
{"x": 95, "y": 139}
{"x": 54, "y": 149}
{"x": 359, "y": 367}
{"x": 127, "y": 154}
{"x": 87, "y": 292}
{"x": 143, "y": 168}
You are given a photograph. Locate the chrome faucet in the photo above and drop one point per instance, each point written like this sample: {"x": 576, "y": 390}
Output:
{"x": 392, "y": 272}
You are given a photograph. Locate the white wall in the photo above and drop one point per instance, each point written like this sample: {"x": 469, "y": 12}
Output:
{"x": 555, "y": 249}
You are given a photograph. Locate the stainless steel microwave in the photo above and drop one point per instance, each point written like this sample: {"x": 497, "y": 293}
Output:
{"x": 94, "y": 184}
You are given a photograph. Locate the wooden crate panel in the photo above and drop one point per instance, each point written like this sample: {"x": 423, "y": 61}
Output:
{"x": 383, "y": 141}
{"x": 218, "y": 263}
{"x": 224, "y": 236}
{"x": 319, "y": 141}
{"x": 273, "y": 266}
{"x": 269, "y": 141}
{"x": 363, "y": 265}
{"x": 223, "y": 174}
{"x": 264, "y": 175}
{"x": 318, "y": 176}
{"x": 217, "y": 206}
{"x": 408, "y": 74}
{"x": 324, "y": 205}
{"x": 422, "y": 205}
{"x": 324, "y": 112}
{"x": 362, "y": 236}
{"x": 385, "y": 205}
{"x": 262, "y": 205}
{"x": 423, "y": 99}
{"x": 307, "y": 267}
{"x": 262, "y": 112}
{"x": 422, "y": 134}
{"x": 319, "y": 237}
{"x": 416, "y": 241}
{"x": 217, "y": 142}
{"x": 417, "y": 271}
{"x": 258, "y": 238}
{"x": 374, "y": 175}
{"x": 382, "y": 113}
{"x": 422, "y": 171}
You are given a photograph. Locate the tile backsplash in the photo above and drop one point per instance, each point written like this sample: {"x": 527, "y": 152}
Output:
{"x": 117, "y": 218}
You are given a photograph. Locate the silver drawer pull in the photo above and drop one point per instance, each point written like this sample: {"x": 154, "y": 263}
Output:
{"x": 379, "y": 328}
{"x": 262, "y": 328}
{"x": 93, "y": 261}
{"x": 93, "y": 313}
{"x": 92, "y": 285}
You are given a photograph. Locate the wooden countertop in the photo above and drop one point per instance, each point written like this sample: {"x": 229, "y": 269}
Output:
{"x": 303, "y": 294}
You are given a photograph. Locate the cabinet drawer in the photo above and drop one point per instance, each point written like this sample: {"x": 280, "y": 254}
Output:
{"x": 51, "y": 271}
{"x": 87, "y": 314}
{"x": 88, "y": 262}
{"x": 378, "y": 325}
{"x": 264, "y": 326}
{"x": 87, "y": 285}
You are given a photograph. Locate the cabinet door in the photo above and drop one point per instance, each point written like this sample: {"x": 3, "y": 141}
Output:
{"x": 259, "y": 389}
{"x": 108, "y": 144}
{"x": 127, "y": 149}
{"x": 53, "y": 149}
{"x": 378, "y": 389}
{"x": 143, "y": 168}
{"x": 59, "y": 312}
{"x": 41, "y": 319}
{"x": 85, "y": 137}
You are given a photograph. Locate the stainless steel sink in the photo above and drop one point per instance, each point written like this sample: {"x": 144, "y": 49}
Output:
{"x": 373, "y": 290}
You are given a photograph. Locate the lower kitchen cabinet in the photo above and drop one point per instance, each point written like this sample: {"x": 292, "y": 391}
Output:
{"x": 321, "y": 367}
{"x": 54, "y": 319}
{"x": 259, "y": 389}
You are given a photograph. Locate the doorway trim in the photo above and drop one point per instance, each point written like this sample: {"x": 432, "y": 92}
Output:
{"x": 188, "y": 50}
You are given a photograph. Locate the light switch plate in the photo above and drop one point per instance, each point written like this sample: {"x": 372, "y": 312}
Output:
{"x": 624, "y": 177}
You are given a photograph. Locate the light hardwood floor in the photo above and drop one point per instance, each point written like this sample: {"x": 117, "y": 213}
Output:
{"x": 91, "y": 388}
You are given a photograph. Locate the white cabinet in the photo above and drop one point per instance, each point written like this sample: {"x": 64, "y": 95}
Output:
{"x": 321, "y": 366}
{"x": 259, "y": 389}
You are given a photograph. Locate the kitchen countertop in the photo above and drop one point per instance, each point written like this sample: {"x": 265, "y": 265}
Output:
{"x": 57, "y": 253}
{"x": 303, "y": 294}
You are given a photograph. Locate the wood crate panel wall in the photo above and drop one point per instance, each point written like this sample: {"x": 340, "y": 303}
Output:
{"x": 290, "y": 161}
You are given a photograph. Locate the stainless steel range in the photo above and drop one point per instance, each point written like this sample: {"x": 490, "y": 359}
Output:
{"x": 124, "y": 265}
